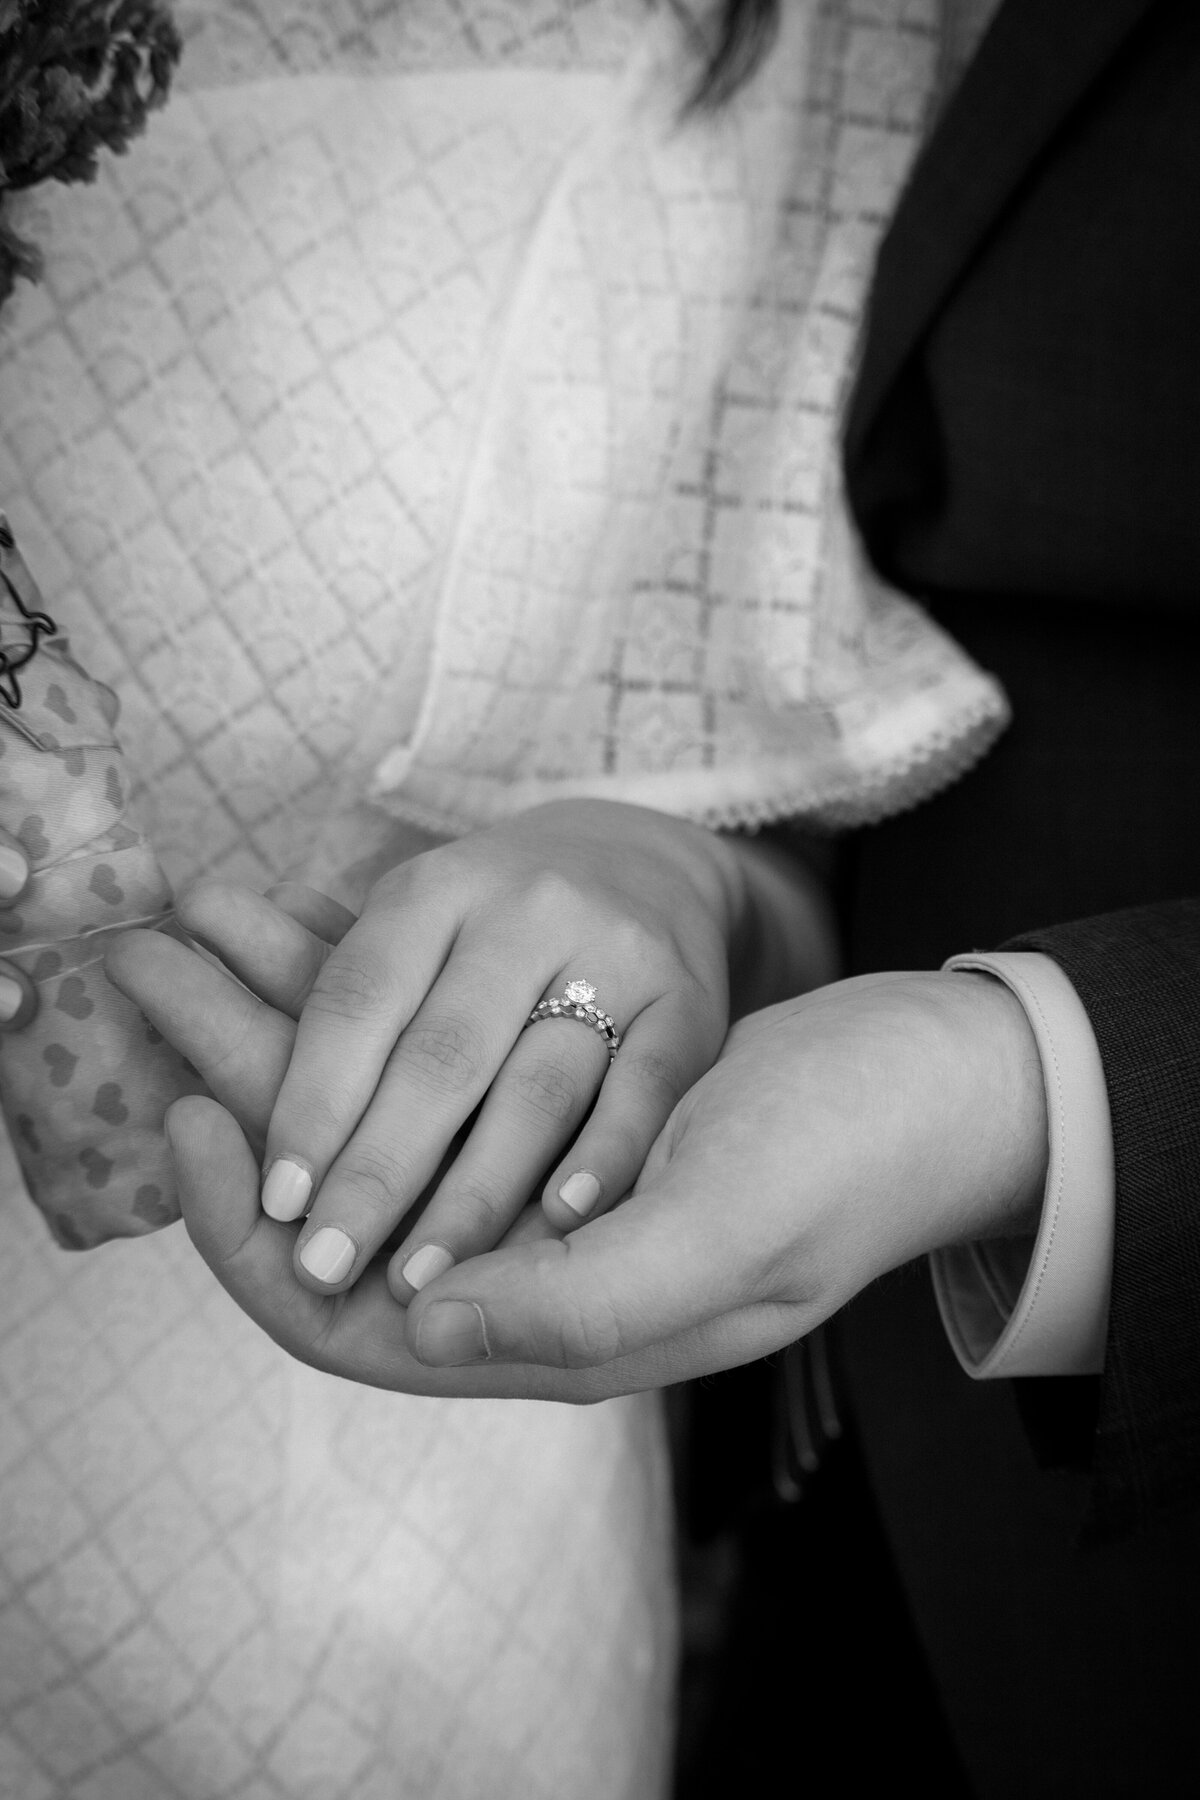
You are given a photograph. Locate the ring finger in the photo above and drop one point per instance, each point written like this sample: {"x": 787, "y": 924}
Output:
{"x": 665, "y": 1051}
{"x": 533, "y": 1109}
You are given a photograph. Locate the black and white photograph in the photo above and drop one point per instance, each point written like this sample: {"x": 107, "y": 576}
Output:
{"x": 599, "y": 899}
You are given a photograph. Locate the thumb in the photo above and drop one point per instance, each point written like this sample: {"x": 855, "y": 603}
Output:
{"x": 663, "y": 1263}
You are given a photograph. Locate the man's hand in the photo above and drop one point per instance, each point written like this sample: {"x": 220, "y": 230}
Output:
{"x": 838, "y": 1136}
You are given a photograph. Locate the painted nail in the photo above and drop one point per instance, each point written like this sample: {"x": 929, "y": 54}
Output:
{"x": 426, "y": 1264}
{"x": 14, "y": 872}
{"x": 452, "y": 1333}
{"x": 12, "y": 998}
{"x": 285, "y": 1191}
{"x": 329, "y": 1254}
{"x": 580, "y": 1192}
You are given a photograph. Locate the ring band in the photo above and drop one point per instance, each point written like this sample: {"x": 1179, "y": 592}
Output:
{"x": 578, "y": 1001}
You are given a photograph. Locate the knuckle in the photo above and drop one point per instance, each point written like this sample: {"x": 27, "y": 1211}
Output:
{"x": 349, "y": 987}
{"x": 550, "y": 888}
{"x": 312, "y": 1114}
{"x": 583, "y": 1331}
{"x": 446, "y": 1054}
{"x": 423, "y": 880}
{"x": 480, "y": 1202}
{"x": 590, "y": 1337}
{"x": 548, "y": 1090}
{"x": 550, "y": 898}
{"x": 310, "y": 1341}
{"x": 376, "y": 1175}
{"x": 229, "y": 1054}
{"x": 202, "y": 900}
{"x": 641, "y": 942}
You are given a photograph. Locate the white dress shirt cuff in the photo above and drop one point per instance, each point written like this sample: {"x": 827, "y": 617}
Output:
{"x": 1040, "y": 1306}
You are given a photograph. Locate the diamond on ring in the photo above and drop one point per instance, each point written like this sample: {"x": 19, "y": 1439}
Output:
{"x": 578, "y": 1001}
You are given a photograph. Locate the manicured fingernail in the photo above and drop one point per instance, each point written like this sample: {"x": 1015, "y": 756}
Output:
{"x": 426, "y": 1264}
{"x": 285, "y": 1191}
{"x": 12, "y": 998}
{"x": 14, "y": 872}
{"x": 329, "y": 1254}
{"x": 452, "y": 1333}
{"x": 580, "y": 1192}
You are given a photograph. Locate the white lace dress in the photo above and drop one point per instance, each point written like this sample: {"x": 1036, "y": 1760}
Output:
{"x": 233, "y": 421}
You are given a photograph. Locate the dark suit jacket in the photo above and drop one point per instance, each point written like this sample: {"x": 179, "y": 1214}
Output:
{"x": 1023, "y": 452}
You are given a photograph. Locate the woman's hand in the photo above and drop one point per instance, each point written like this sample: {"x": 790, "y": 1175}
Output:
{"x": 414, "y": 1031}
{"x": 838, "y": 1136}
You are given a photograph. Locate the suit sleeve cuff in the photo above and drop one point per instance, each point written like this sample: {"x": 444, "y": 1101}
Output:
{"x": 1040, "y": 1306}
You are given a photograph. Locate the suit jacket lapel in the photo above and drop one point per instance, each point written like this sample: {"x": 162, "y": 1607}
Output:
{"x": 1034, "y": 63}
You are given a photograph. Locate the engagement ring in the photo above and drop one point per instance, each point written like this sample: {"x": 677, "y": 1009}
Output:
{"x": 578, "y": 1001}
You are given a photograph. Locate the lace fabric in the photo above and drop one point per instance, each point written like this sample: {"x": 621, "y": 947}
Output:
{"x": 232, "y": 422}
{"x": 245, "y": 40}
{"x": 542, "y": 495}
{"x": 653, "y": 592}
{"x": 257, "y": 399}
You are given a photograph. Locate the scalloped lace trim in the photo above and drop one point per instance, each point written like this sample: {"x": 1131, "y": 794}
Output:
{"x": 653, "y": 589}
{"x": 742, "y": 800}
